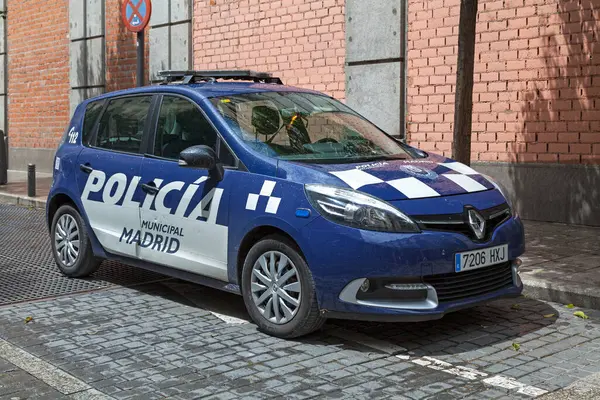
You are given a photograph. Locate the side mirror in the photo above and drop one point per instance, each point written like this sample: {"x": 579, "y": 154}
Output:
{"x": 202, "y": 157}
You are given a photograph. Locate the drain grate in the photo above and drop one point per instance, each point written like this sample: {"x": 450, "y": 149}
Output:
{"x": 27, "y": 268}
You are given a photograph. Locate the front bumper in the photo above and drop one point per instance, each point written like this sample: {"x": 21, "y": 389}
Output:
{"x": 345, "y": 257}
{"x": 430, "y": 306}
{"x": 384, "y": 315}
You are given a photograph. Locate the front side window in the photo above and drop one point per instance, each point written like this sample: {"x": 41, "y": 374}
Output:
{"x": 122, "y": 124}
{"x": 181, "y": 125}
{"x": 305, "y": 127}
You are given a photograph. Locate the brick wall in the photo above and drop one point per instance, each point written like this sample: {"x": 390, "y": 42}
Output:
{"x": 38, "y": 72}
{"x": 121, "y": 50}
{"x": 537, "y": 79}
{"x": 301, "y": 41}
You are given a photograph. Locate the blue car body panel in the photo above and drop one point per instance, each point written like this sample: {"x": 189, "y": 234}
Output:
{"x": 268, "y": 192}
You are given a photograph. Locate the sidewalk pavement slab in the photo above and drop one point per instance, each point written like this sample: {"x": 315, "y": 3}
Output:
{"x": 587, "y": 388}
{"x": 561, "y": 262}
{"x": 15, "y": 192}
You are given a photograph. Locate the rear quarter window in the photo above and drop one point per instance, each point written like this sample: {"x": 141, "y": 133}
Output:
{"x": 92, "y": 112}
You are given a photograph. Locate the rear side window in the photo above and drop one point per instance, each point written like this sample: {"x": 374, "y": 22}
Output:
{"x": 92, "y": 112}
{"x": 122, "y": 124}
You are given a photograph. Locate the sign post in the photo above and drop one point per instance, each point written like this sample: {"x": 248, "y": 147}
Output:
{"x": 136, "y": 16}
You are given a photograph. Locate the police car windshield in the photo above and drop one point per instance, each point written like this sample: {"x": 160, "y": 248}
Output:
{"x": 305, "y": 127}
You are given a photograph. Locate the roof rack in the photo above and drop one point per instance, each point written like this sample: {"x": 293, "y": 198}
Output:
{"x": 186, "y": 77}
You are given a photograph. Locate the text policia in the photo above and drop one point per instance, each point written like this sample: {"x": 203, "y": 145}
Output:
{"x": 185, "y": 202}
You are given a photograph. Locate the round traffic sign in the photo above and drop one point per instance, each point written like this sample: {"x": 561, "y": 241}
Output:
{"x": 136, "y": 14}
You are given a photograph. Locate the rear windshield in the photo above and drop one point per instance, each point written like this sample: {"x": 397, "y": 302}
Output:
{"x": 305, "y": 127}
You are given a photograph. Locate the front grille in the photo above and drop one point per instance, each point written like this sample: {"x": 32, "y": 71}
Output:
{"x": 494, "y": 216}
{"x": 462, "y": 285}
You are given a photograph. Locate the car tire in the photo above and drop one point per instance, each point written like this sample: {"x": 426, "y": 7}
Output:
{"x": 71, "y": 246}
{"x": 305, "y": 317}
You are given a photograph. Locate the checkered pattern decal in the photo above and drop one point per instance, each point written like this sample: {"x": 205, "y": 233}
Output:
{"x": 443, "y": 179}
{"x": 265, "y": 192}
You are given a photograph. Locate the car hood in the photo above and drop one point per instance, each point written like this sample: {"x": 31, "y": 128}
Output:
{"x": 389, "y": 180}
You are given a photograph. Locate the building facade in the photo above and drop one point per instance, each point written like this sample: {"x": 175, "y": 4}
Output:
{"x": 536, "y": 117}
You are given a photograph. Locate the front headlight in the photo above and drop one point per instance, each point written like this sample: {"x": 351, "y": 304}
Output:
{"x": 358, "y": 210}
{"x": 502, "y": 191}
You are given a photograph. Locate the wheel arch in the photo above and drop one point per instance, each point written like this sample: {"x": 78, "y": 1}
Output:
{"x": 55, "y": 203}
{"x": 254, "y": 236}
{"x": 61, "y": 198}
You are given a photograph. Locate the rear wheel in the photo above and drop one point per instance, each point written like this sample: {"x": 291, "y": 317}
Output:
{"x": 71, "y": 245}
{"x": 278, "y": 289}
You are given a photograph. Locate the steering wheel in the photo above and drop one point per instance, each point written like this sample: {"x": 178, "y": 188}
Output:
{"x": 327, "y": 140}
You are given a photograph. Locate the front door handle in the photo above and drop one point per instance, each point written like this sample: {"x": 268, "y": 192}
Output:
{"x": 86, "y": 168}
{"x": 150, "y": 188}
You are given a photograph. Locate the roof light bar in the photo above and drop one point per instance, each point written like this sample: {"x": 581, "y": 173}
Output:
{"x": 187, "y": 77}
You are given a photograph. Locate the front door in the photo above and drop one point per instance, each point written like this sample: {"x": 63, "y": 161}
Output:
{"x": 184, "y": 217}
{"x": 108, "y": 173}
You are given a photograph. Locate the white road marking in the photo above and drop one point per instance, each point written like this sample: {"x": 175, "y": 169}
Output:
{"x": 228, "y": 319}
{"x": 510, "y": 383}
{"x": 367, "y": 341}
{"x": 57, "y": 378}
{"x": 439, "y": 365}
{"x": 91, "y": 394}
{"x": 472, "y": 374}
{"x": 209, "y": 299}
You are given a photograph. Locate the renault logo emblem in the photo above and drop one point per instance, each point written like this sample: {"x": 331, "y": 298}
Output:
{"x": 477, "y": 223}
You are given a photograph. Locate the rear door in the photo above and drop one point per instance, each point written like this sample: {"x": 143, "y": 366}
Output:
{"x": 185, "y": 216}
{"x": 109, "y": 172}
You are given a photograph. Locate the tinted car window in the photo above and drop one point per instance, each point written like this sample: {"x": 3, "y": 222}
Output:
{"x": 181, "y": 125}
{"x": 92, "y": 112}
{"x": 122, "y": 125}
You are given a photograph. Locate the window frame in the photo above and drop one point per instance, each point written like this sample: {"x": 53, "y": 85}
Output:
{"x": 147, "y": 124}
{"x": 153, "y": 134}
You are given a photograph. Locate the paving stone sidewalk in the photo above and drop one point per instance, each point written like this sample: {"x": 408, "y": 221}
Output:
{"x": 15, "y": 383}
{"x": 562, "y": 263}
{"x": 15, "y": 192}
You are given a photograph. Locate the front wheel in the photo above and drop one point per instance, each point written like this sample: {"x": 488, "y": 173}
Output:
{"x": 71, "y": 245}
{"x": 278, "y": 289}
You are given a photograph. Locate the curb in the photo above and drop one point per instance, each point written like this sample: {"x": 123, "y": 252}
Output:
{"x": 9, "y": 198}
{"x": 584, "y": 296}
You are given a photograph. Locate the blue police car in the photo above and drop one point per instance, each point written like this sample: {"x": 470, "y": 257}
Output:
{"x": 283, "y": 195}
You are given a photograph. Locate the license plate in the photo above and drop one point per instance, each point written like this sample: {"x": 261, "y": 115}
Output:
{"x": 480, "y": 258}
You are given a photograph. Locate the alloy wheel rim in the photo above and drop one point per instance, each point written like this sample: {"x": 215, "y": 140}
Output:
{"x": 67, "y": 239}
{"x": 276, "y": 288}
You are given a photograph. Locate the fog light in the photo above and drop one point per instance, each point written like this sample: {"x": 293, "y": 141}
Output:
{"x": 366, "y": 285}
{"x": 518, "y": 262}
{"x": 406, "y": 286}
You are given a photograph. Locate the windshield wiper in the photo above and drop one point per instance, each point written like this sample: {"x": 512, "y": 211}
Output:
{"x": 381, "y": 157}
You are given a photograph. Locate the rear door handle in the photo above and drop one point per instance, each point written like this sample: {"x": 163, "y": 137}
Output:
{"x": 150, "y": 188}
{"x": 86, "y": 168}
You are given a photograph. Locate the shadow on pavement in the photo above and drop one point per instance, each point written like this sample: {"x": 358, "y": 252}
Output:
{"x": 497, "y": 323}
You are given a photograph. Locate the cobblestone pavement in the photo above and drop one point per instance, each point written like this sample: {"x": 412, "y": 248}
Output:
{"x": 161, "y": 338}
{"x": 154, "y": 341}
